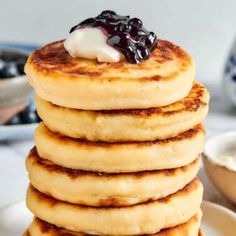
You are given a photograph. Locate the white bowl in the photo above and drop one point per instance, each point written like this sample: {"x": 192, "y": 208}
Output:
{"x": 222, "y": 175}
{"x": 16, "y": 90}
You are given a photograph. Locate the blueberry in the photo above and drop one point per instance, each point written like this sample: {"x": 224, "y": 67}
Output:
{"x": 2, "y": 64}
{"x": 29, "y": 117}
{"x": 130, "y": 49}
{"x": 119, "y": 18}
{"x": 135, "y": 22}
{"x": 232, "y": 59}
{"x": 234, "y": 77}
{"x": 150, "y": 40}
{"x": 143, "y": 52}
{"x": 132, "y": 57}
{"x": 14, "y": 121}
{"x": 122, "y": 27}
{"x": 31, "y": 106}
{"x": 141, "y": 33}
{"x": 38, "y": 118}
{"x": 107, "y": 13}
{"x": 119, "y": 40}
{"x": 131, "y": 54}
{"x": 9, "y": 70}
{"x": 111, "y": 17}
{"x": 20, "y": 64}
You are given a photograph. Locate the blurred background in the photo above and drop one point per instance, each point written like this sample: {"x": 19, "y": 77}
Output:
{"x": 205, "y": 28}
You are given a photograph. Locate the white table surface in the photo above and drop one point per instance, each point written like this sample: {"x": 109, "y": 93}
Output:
{"x": 13, "y": 175}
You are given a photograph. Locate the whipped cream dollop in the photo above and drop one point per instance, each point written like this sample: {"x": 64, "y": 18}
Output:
{"x": 91, "y": 43}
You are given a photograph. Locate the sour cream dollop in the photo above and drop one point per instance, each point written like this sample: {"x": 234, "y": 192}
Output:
{"x": 227, "y": 160}
{"x": 91, "y": 43}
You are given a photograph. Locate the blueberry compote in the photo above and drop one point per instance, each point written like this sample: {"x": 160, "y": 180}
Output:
{"x": 125, "y": 34}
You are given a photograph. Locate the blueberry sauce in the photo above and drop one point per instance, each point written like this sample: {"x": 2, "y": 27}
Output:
{"x": 126, "y": 34}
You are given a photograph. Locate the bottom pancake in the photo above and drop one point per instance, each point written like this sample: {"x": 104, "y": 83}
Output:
{"x": 200, "y": 233}
{"x": 145, "y": 218}
{"x": 189, "y": 228}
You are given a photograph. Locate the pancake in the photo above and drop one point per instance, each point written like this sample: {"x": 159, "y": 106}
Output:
{"x": 100, "y": 189}
{"x": 90, "y": 85}
{"x": 146, "y": 218}
{"x": 127, "y": 125}
{"x": 120, "y": 157}
{"x": 201, "y": 233}
{"x": 190, "y": 228}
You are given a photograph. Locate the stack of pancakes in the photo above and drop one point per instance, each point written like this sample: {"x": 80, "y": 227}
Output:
{"x": 118, "y": 150}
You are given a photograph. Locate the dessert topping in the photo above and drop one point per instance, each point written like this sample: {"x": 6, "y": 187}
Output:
{"x": 123, "y": 34}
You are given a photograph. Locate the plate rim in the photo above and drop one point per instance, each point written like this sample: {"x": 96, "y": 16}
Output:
{"x": 223, "y": 210}
{"x": 3, "y": 208}
{"x": 220, "y": 208}
{"x": 20, "y": 132}
{"x": 18, "y": 126}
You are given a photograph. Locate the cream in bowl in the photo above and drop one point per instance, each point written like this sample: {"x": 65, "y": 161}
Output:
{"x": 220, "y": 163}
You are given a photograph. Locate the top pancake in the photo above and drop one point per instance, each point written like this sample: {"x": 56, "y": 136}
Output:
{"x": 90, "y": 85}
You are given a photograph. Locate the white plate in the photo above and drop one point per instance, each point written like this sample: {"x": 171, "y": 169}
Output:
{"x": 217, "y": 220}
{"x": 14, "y": 219}
{"x": 16, "y": 132}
